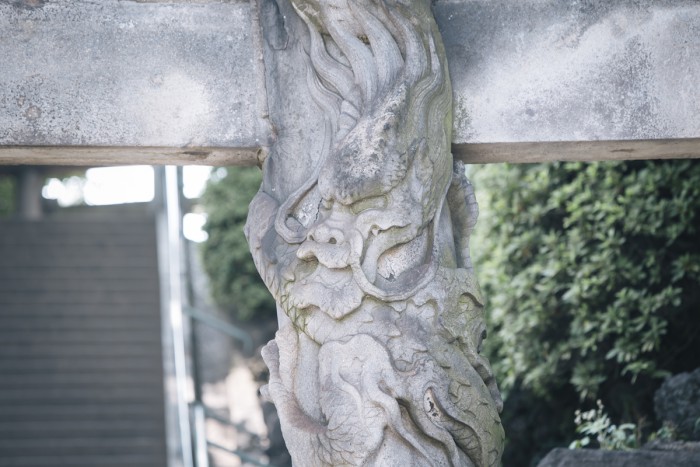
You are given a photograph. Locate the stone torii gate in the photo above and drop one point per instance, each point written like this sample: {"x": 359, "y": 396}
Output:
{"x": 361, "y": 114}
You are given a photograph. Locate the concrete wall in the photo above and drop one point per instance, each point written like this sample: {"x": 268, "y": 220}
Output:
{"x": 158, "y": 76}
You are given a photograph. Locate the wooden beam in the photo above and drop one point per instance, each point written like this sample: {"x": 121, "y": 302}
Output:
{"x": 476, "y": 153}
{"x": 90, "y": 156}
{"x": 531, "y": 152}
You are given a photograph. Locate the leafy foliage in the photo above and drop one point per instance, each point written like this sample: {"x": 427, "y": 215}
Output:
{"x": 7, "y": 195}
{"x": 591, "y": 273}
{"x": 235, "y": 282}
{"x": 598, "y": 430}
{"x": 595, "y": 425}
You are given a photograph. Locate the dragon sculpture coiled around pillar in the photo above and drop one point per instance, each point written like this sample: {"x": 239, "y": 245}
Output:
{"x": 378, "y": 357}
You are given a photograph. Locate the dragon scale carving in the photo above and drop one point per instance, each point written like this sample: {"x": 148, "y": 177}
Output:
{"x": 377, "y": 360}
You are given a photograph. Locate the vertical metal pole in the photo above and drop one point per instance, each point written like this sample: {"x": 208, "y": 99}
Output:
{"x": 172, "y": 203}
{"x": 188, "y": 302}
{"x": 29, "y": 184}
{"x": 202, "y": 457}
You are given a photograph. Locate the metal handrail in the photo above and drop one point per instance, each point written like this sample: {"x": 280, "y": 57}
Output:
{"x": 209, "y": 413}
{"x": 221, "y": 326}
{"x": 192, "y": 444}
{"x": 173, "y": 229}
{"x": 201, "y": 455}
{"x": 200, "y": 412}
{"x": 242, "y": 455}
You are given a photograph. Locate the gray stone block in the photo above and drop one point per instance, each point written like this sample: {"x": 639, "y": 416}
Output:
{"x": 547, "y": 70}
{"x": 678, "y": 401}
{"x": 562, "y": 457}
{"x": 127, "y": 73}
{"x": 135, "y": 79}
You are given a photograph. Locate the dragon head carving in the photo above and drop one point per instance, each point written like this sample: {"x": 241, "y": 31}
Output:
{"x": 369, "y": 260}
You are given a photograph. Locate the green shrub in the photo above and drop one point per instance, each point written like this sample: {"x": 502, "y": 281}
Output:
{"x": 591, "y": 274}
{"x": 7, "y": 195}
{"x": 595, "y": 426}
{"x": 235, "y": 283}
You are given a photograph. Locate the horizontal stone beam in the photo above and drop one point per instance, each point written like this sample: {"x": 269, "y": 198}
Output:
{"x": 551, "y": 71}
{"x": 96, "y": 83}
{"x": 128, "y": 74}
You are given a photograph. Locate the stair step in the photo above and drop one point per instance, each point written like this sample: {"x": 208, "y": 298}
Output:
{"x": 77, "y": 350}
{"x": 81, "y": 371}
{"x": 81, "y": 429}
{"x": 44, "y": 411}
{"x": 89, "y": 363}
{"x": 79, "y": 339}
{"x": 85, "y": 271}
{"x": 86, "y": 297}
{"x": 86, "y": 327}
{"x": 84, "y": 393}
{"x": 51, "y": 258}
{"x": 95, "y": 231}
{"x": 69, "y": 284}
{"x": 48, "y": 315}
{"x": 113, "y": 460}
{"x": 86, "y": 446}
{"x": 108, "y": 378}
{"x": 77, "y": 317}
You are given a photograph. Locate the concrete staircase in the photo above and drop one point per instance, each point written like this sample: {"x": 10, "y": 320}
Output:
{"x": 81, "y": 377}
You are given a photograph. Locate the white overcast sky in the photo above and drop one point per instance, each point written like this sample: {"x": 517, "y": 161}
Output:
{"x": 128, "y": 184}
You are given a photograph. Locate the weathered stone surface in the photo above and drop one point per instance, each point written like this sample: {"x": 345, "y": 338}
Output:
{"x": 127, "y": 73}
{"x": 562, "y": 457}
{"x": 547, "y": 70}
{"x": 361, "y": 232}
{"x": 678, "y": 401}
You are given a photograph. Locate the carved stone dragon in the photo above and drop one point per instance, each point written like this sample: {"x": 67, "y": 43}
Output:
{"x": 377, "y": 360}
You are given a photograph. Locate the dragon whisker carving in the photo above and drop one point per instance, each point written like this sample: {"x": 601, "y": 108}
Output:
{"x": 377, "y": 360}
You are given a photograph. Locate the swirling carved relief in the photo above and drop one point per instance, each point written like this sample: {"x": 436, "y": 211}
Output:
{"x": 378, "y": 357}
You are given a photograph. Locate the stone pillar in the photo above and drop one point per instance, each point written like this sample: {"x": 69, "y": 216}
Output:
{"x": 361, "y": 232}
{"x": 29, "y": 184}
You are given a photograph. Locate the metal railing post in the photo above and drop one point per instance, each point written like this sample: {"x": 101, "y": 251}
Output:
{"x": 200, "y": 435}
{"x": 172, "y": 205}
